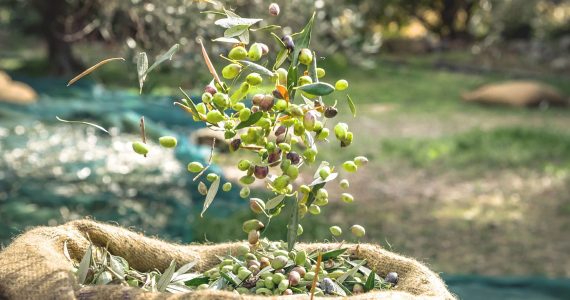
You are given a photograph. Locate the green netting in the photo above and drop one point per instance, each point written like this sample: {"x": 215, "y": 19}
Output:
{"x": 51, "y": 171}
{"x": 471, "y": 287}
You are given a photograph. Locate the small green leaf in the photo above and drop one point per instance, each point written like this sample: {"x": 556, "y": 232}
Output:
{"x": 233, "y": 21}
{"x": 163, "y": 57}
{"x": 212, "y": 191}
{"x": 244, "y": 37}
{"x": 293, "y": 225}
{"x": 166, "y": 277}
{"x": 313, "y": 68}
{"x": 291, "y": 80}
{"x": 267, "y": 27}
{"x": 250, "y": 121}
{"x": 273, "y": 202}
{"x": 319, "y": 180}
{"x": 302, "y": 39}
{"x": 190, "y": 102}
{"x": 369, "y": 285}
{"x": 256, "y": 68}
{"x": 231, "y": 278}
{"x": 281, "y": 57}
{"x": 235, "y": 31}
{"x": 351, "y": 105}
{"x": 197, "y": 281}
{"x": 339, "y": 289}
{"x": 279, "y": 41}
{"x": 331, "y": 254}
{"x": 313, "y": 193}
{"x": 142, "y": 67}
{"x": 84, "y": 265}
{"x": 317, "y": 88}
{"x": 81, "y": 122}
{"x": 226, "y": 40}
{"x": 350, "y": 272}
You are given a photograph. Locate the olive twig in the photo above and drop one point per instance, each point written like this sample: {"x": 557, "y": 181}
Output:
{"x": 209, "y": 161}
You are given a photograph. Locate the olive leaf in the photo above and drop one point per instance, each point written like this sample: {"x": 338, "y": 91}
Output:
{"x": 142, "y": 67}
{"x": 185, "y": 268}
{"x": 209, "y": 63}
{"x": 250, "y": 121}
{"x": 350, "y": 272}
{"x": 177, "y": 288}
{"x": 84, "y": 265}
{"x": 212, "y": 191}
{"x": 273, "y": 202}
{"x": 190, "y": 103}
{"x": 279, "y": 41}
{"x": 231, "y": 278}
{"x": 313, "y": 193}
{"x": 370, "y": 281}
{"x": 226, "y": 40}
{"x": 66, "y": 251}
{"x": 313, "y": 68}
{"x": 235, "y": 31}
{"x": 339, "y": 289}
{"x": 244, "y": 37}
{"x": 302, "y": 39}
{"x": 330, "y": 254}
{"x": 291, "y": 80}
{"x": 236, "y": 21}
{"x": 257, "y": 68}
{"x": 317, "y": 88}
{"x": 293, "y": 225}
{"x": 166, "y": 277}
{"x": 364, "y": 270}
{"x": 92, "y": 68}
{"x": 197, "y": 281}
{"x": 281, "y": 57}
{"x": 351, "y": 105}
{"x": 319, "y": 180}
{"x": 163, "y": 57}
{"x": 267, "y": 27}
{"x": 82, "y": 122}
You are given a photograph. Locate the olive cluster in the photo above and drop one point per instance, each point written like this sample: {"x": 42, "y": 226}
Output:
{"x": 269, "y": 269}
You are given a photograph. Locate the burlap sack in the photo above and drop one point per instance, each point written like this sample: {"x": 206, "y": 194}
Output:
{"x": 34, "y": 266}
{"x": 516, "y": 93}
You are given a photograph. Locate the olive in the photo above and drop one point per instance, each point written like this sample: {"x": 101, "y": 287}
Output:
{"x": 278, "y": 263}
{"x": 358, "y": 230}
{"x": 346, "y": 197}
{"x": 358, "y": 288}
{"x": 195, "y": 167}
{"x": 360, "y": 160}
{"x": 210, "y": 89}
{"x": 214, "y": 117}
{"x": 392, "y": 278}
{"x": 238, "y": 53}
{"x": 261, "y": 172}
{"x": 288, "y": 41}
{"x": 244, "y": 192}
{"x": 267, "y": 102}
{"x": 349, "y": 166}
{"x": 327, "y": 286}
{"x": 256, "y": 205}
{"x": 255, "y": 52}
{"x": 321, "y": 73}
{"x": 244, "y": 114}
{"x": 294, "y": 278}
{"x": 202, "y": 189}
{"x": 303, "y": 80}
{"x": 140, "y": 148}
{"x": 323, "y": 134}
{"x": 294, "y": 158}
{"x": 341, "y": 85}
{"x": 309, "y": 120}
{"x": 254, "y": 79}
{"x": 212, "y": 176}
{"x": 340, "y": 131}
{"x": 221, "y": 100}
{"x": 344, "y": 184}
{"x": 227, "y": 187}
{"x": 335, "y": 230}
{"x": 274, "y": 9}
{"x": 305, "y": 56}
{"x": 330, "y": 112}
{"x": 235, "y": 144}
{"x": 231, "y": 71}
{"x": 325, "y": 172}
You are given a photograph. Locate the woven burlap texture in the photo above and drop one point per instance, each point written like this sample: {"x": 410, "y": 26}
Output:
{"x": 33, "y": 266}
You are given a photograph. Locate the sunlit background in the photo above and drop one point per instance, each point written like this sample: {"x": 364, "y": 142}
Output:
{"x": 479, "y": 192}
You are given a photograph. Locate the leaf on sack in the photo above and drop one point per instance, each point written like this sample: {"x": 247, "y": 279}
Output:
{"x": 82, "y": 122}
{"x": 231, "y": 278}
{"x": 166, "y": 277}
{"x": 293, "y": 225}
{"x": 350, "y": 272}
{"x": 370, "y": 281}
{"x": 66, "y": 251}
{"x": 212, "y": 191}
{"x": 185, "y": 268}
{"x": 331, "y": 254}
{"x": 339, "y": 289}
{"x": 84, "y": 265}
{"x": 177, "y": 288}
{"x": 93, "y": 68}
{"x": 163, "y": 57}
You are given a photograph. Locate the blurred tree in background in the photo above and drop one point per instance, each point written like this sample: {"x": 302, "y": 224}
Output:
{"x": 344, "y": 25}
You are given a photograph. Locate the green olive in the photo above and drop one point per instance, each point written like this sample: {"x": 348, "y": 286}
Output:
{"x": 167, "y": 141}
{"x": 335, "y": 230}
{"x": 306, "y": 56}
{"x": 344, "y": 184}
{"x": 358, "y": 231}
{"x": 231, "y": 71}
{"x": 282, "y": 73}
{"x": 349, "y": 166}
{"x": 321, "y": 73}
{"x": 341, "y": 85}
{"x": 254, "y": 79}
{"x": 244, "y": 192}
{"x": 212, "y": 177}
{"x": 195, "y": 167}
{"x": 238, "y": 53}
{"x": 255, "y": 52}
{"x": 214, "y": 117}
{"x": 346, "y": 197}
{"x": 140, "y": 148}
{"x": 227, "y": 187}
{"x": 303, "y": 80}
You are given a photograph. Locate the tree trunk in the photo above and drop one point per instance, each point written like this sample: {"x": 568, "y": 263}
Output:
{"x": 60, "y": 54}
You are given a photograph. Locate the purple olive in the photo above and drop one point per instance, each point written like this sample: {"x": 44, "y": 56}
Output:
{"x": 210, "y": 89}
{"x": 392, "y": 278}
{"x": 261, "y": 172}
{"x": 288, "y": 41}
{"x": 274, "y": 157}
{"x": 280, "y": 130}
{"x": 294, "y": 158}
{"x": 331, "y": 112}
{"x": 235, "y": 144}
